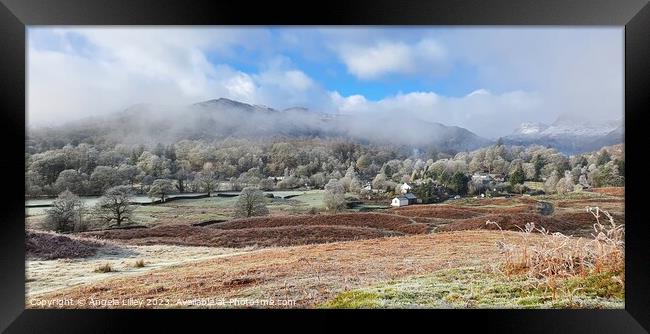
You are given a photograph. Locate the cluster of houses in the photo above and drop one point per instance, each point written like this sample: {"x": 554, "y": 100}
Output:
{"x": 405, "y": 198}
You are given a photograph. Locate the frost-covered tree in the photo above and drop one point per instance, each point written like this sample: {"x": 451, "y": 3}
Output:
{"x": 334, "y": 197}
{"x": 551, "y": 182}
{"x": 104, "y": 177}
{"x": 65, "y": 214}
{"x": 128, "y": 173}
{"x": 206, "y": 179}
{"x": 565, "y": 184}
{"x": 250, "y": 203}
{"x": 115, "y": 205}
{"x": 71, "y": 179}
{"x": 161, "y": 188}
{"x": 582, "y": 180}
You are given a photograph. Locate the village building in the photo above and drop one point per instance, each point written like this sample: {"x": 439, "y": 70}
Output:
{"x": 399, "y": 201}
{"x": 404, "y": 200}
{"x": 405, "y": 188}
{"x": 412, "y": 199}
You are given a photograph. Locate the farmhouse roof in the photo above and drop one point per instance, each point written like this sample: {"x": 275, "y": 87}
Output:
{"x": 410, "y": 196}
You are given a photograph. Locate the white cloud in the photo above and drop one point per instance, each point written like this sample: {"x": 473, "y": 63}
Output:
{"x": 121, "y": 67}
{"x": 480, "y": 111}
{"x": 531, "y": 75}
{"x": 479, "y": 92}
{"x": 391, "y": 57}
{"x": 240, "y": 87}
{"x": 578, "y": 71}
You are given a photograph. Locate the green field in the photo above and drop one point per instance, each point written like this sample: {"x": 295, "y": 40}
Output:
{"x": 311, "y": 198}
{"x": 192, "y": 210}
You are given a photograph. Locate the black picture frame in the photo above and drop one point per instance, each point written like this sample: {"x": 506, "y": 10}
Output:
{"x": 15, "y": 15}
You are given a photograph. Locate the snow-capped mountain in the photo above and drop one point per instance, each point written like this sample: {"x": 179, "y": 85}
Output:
{"x": 530, "y": 129}
{"x": 569, "y": 135}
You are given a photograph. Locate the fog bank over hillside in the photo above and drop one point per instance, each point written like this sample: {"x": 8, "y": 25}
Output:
{"x": 222, "y": 118}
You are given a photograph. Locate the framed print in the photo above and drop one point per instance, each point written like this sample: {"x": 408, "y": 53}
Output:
{"x": 440, "y": 162}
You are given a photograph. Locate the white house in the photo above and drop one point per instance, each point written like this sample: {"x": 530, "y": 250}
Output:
{"x": 399, "y": 201}
{"x": 404, "y": 188}
{"x": 406, "y": 199}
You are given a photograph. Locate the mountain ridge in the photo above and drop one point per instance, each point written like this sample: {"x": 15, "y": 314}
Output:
{"x": 569, "y": 135}
{"x": 223, "y": 118}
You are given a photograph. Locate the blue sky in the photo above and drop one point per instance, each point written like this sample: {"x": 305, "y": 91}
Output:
{"x": 488, "y": 79}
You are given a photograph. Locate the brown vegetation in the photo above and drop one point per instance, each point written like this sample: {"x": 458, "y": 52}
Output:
{"x": 498, "y": 201}
{"x": 48, "y": 246}
{"x": 308, "y": 274}
{"x": 458, "y": 212}
{"x": 581, "y": 203}
{"x": 508, "y": 221}
{"x": 583, "y": 218}
{"x": 272, "y": 231}
{"x": 438, "y": 211}
{"x": 104, "y": 268}
{"x": 388, "y": 222}
{"x": 610, "y": 191}
{"x": 560, "y": 257}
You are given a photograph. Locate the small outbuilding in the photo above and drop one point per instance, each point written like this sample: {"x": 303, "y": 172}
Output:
{"x": 399, "y": 201}
{"x": 412, "y": 199}
{"x": 406, "y": 199}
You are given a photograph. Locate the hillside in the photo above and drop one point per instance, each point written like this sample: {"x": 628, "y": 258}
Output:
{"x": 569, "y": 135}
{"x": 224, "y": 118}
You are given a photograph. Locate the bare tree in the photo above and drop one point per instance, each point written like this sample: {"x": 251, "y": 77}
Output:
{"x": 251, "y": 202}
{"x": 115, "y": 205}
{"x": 66, "y": 212}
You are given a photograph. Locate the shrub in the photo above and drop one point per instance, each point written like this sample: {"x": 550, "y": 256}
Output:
{"x": 66, "y": 213}
{"x": 139, "y": 263}
{"x": 49, "y": 246}
{"x": 559, "y": 257}
{"x": 104, "y": 268}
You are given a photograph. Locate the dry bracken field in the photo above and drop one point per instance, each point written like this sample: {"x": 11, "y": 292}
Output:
{"x": 421, "y": 256}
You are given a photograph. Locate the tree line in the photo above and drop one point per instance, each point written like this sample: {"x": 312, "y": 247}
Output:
{"x": 232, "y": 164}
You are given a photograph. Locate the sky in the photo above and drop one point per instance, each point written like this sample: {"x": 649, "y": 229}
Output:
{"x": 486, "y": 79}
